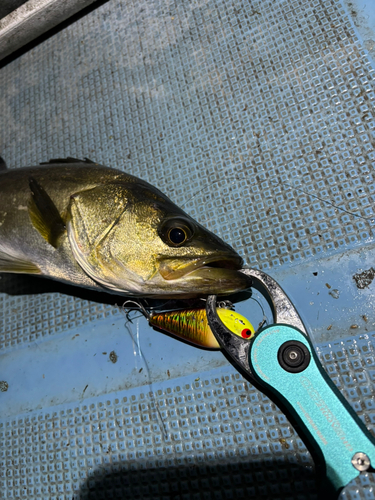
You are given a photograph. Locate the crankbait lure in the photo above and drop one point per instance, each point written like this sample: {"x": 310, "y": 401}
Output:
{"x": 192, "y": 326}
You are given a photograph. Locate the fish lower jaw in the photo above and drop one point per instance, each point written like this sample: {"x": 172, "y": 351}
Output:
{"x": 199, "y": 283}
{"x": 207, "y": 281}
{"x": 173, "y": 269}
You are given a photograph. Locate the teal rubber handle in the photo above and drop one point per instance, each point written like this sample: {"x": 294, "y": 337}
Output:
{"x": 324, "y": 419}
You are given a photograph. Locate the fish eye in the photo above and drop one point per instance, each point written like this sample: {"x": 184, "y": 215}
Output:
{"x": 176, "y": 232}
{"x": 177, "y": 236}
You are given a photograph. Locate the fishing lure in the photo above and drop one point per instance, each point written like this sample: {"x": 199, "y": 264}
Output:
{"x": 192, "y": 326}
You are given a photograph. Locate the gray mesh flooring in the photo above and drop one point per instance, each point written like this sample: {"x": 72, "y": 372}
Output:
{"x": 46, "y": 315}
{"x": 261, "y": 97}
{"x": 208, "y": 436}
{"x": 244, "y": 113}
{"x": 258, "y": 119}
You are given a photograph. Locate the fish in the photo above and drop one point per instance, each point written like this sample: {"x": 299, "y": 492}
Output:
{"x": 85, "y": 224}
{"x": 192, "y": 325}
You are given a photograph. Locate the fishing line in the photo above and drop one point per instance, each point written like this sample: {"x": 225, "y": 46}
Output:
{"x": 371, "y": 219}
{"x": 147, "y": 310}
{"x": 283, "y": 183}
{"x": 264, "y": 319}
{"x": 136, "y": 342}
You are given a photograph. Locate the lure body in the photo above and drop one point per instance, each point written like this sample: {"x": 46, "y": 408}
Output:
{"x": 192, "y": 325}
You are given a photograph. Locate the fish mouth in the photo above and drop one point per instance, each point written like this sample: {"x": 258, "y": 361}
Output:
{"x": 217, "y": 275}
{"x": 172, "y": 269}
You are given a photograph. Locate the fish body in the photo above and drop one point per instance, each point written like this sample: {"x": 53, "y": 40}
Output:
{"x": 97, "y": 227}
{"x": 192, "y": 325}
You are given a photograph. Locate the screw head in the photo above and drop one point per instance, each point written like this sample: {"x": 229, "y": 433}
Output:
{"x": 293, "y": 356}
{"x": 361, "y": 461}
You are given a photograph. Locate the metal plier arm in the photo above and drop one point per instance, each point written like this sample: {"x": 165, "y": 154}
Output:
{"x": 280, "y": 361}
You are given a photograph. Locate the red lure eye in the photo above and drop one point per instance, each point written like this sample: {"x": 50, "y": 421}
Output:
{"x": 246, "y": 333}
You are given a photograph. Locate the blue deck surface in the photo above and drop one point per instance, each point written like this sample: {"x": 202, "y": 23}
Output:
{"x": 258, "y": 119}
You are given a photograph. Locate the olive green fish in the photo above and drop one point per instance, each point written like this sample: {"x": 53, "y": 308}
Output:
{"x": 96, "y": 227}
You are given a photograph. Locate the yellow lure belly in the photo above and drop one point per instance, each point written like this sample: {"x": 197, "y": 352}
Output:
{"x": 192, "y": 326}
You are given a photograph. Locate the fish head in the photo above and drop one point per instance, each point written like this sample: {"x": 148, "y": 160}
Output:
{"x": 133, "y": 240}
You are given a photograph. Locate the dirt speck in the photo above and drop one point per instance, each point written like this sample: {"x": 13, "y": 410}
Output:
{"x": 328, "y": 285}
{"x": 3, "y": 386}
{"x": 353, "y": 327}
{"x": 329, "y": 327}
{"x": 284, "y": 443}
{"x": 113, "y": 357}
{"x": 334, "y": 293}
{"x": 365, "y": 278}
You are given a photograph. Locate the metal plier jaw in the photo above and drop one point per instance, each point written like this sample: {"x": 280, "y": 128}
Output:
{"x": 281, "y": 361}
{"x": 282, "y": 309}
